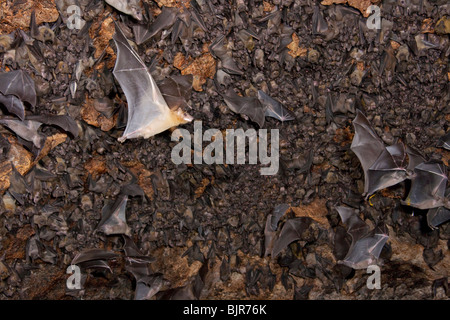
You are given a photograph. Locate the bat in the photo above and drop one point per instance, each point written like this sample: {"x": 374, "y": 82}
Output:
{"x": 444, "y": 141}
{"x": 114, "y": 218}
{"x": 130, "y": 7}
{"x": 18, "y": 187}
{"x": 249, "y": 106}
{"x": 278, "y": 212}
{"x": 292, "y": 230}
{"x": 274, "y": 108}
{"x": 148, "y": 112}
{"x": 272, "y": 226}
{"x": 19, "y": 84}
{"x": 366, "y": 245}
{"x": 428, "y": 186}
{"x": 28, "y": 129}
{"x": 36, "y": 249}
{"x": 219, "y": 49}
{"x": 383, "y": 166}
{"x": 165, "y": 20}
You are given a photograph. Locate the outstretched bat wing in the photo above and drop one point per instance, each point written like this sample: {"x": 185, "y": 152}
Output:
{"x": 365, "y": 251}
{"x": 114, "y": 218}
{"x": 20, "y": 84}
{"x": 249, "y": 106}
{"x": 428, "y": 186}
{"x": 366, "y": 145}
{"x": 274, "y": 108}
{"x": 388, "y": 170}
{"x": 292, "y": 230}
{"x": 366, "y": 245}
{"x": 148, "y": 113}
{"x": 13, "y": 105}
{"x": 437, "y": 216}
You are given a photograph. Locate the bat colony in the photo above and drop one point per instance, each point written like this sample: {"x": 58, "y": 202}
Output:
{"x": 151, "y": 111}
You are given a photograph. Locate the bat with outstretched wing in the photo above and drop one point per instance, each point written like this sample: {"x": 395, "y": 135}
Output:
{"x": 366, "y": 244}
{"x": 148, "y": 112}
{"x": 428, "y": 186}
{"x": 383, "y": 166}
{"x": 249, "y": 106}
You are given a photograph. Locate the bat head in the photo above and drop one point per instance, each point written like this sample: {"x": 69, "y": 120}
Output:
{"x": 182, "y": 117}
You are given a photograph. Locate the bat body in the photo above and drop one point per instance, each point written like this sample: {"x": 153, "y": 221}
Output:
{"x": 148, "y": 112}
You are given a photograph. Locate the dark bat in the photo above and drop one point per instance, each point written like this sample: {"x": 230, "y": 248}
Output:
{"x": 366, "y": 245}
{"x": 383, "y": 166}
{"x": 148, "y": 113}
{"x": 218, "y": 49}
{"x": 249, "y": 106}
{"x": 20, "y": 84}
{"x": 114, "y": 217}
{"x": 27, "y": 130}
{"x": 444, "y": 141}
{"x": 292, "y": 230}
{"x": 428, "y": 186}
{"x": 415, "y": 158}
{"x": 274, "y": 108}
{"x": 13, "y": 104}
{"x": 176, "y": 91}
{"x": 165, "y": 20}
{"x": 148, "y": 286}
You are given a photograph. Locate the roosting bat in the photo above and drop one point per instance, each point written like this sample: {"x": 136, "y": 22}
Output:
{"x": 148, "y": 113}
{"x": 366, "y": 245}
{"x": 383, "y": 166}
